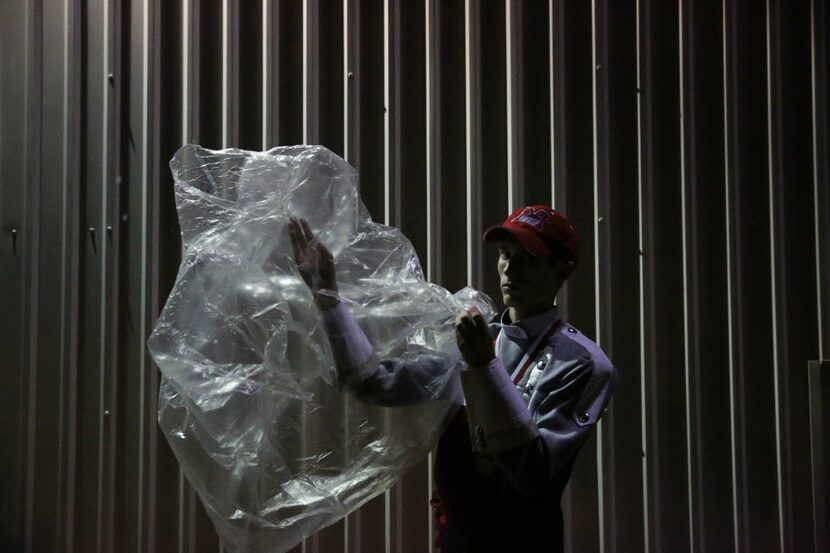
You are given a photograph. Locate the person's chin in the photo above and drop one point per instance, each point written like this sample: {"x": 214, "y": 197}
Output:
{"x": 508, "y": 298}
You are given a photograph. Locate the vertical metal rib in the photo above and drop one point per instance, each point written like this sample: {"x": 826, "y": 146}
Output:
{"x": 816, "y": 195}
{"x": 773, "y": 279}
{"x": 266, "y": 59}
{"x": 387, "y": 109}
{"x": 143, "y": 280}
{"x": 641, "y": 246}
{"x": 595, "y": 131}
{"x": 72, "y": 229}
{"x": 185, "y": 69}
{"x": 225, "y": 68}
{"x": 66, "y": 123}
{"x": 551, "y": 106}
{"x": 311, "y": 71}
{"x": 32, "y": 99}
{"x": 729, "y": 292}
{"x": 429, "y": 94}
{"x": 473, "y": 183}
{"x": 685, "y": 239}
{"x": 509, "y": 92}
{"x": 103, "y": 268}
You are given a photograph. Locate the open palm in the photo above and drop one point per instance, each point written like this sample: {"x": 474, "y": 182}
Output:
{"x": 313, "y": 259}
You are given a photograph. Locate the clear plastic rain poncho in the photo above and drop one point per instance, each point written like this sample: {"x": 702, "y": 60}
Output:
{"x": 250, "y": 403}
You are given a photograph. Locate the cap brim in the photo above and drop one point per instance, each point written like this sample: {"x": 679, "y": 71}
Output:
{"x": 527, "y": 239}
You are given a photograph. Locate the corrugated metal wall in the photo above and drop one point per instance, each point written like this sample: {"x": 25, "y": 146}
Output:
{"x": 688, "y": 141}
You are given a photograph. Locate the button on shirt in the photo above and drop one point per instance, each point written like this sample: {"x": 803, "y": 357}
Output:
{"x": 515, "y": 339}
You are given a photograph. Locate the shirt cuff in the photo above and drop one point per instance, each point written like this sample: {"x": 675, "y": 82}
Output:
{"x": 498, "y": 416}
{"x": 350, "y": 347}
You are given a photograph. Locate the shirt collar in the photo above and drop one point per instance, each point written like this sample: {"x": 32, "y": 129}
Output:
{"x": 529, "y": 328}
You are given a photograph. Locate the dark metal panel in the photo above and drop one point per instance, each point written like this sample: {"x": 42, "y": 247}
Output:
{"x": 34, "y": 420}
{"x": 208, "y": 57}
{"x": 819, "y": 23}
{"x": 325, "y": 115}
{"x": 618, "y": 271}
{"x": 491, "y": 140}
{"x": 575, "y": 197}
{"x": 819, "y": 384}
{"x": 324, "y": 125}
{"x": 330, "y": 75}
{"x": 615, "y": 185}
{"x": 351, "y": 88}
{"x": 792, "y": 195}
{"x": 131, "y": 305}
{"x": 703, "y": 156}
{"x": 368, "y": 156}
{"x": 359, "y": 525}
{"x": 111, "y": 187}
{"x": 14, "y": 261}
{"x": 408, "y": 121}
{"x": 75, "y": 235}
{"x": 601, "y": 80}
{"x": 534, "y": 115}
{"x": 249, "y": 68}
{"x": 753, "y": 356}
{"x": 365, "y": 143}
{"x": 289, "y": 76}
{"x": 664, "y": 296}
{"x": 433, "y": 137}
{"x": 311, "y": 71}
{"x": 472, "y": 118}
{"x": 174, "y": 31}
{"x": 88, "y": 530}
{"x": 409, "y": 499}
{"x": 167, "y": 116}
{"x": 513, "y": 17}
{"x": 231, "y": 72}
{"x": 450, "y": 195}
{"x": 158, "y": 244}
{"x": 820, "y": 27}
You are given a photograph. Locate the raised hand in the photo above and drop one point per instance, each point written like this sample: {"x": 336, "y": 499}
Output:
{"x": 315, "y": 263}
{"x": 473, "y": 338}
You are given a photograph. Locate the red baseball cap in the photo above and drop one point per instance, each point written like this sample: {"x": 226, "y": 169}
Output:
{"x": 541, "y": 230}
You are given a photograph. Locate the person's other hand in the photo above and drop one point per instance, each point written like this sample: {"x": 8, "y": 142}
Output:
{"x": 473, "y": 337}
{"x": 315, "y": 263}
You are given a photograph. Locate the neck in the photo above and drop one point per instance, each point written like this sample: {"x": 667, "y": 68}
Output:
{"x": 519, "y": 313}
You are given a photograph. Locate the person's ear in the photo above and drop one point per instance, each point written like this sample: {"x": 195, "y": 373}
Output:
{"x": 564, "y": 269}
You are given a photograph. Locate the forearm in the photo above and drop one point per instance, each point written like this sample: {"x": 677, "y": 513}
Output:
{"x": 354, "y": 358}
{"x": 390, "y": 381}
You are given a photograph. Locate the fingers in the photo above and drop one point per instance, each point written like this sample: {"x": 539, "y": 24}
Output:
{"x": 308, "y": 235}
{"x": 297, "y": 240}
{"x": 477, "y": 317}
{"x": 470, "y": 321}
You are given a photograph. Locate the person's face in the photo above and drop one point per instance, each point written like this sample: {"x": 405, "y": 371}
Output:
{"x": 528, "y": 283}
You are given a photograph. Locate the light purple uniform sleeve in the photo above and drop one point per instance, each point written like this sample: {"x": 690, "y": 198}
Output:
{"x": 534, "y": 441}
{"x": 353, "y": 354}
{"x": 387, "y": 381}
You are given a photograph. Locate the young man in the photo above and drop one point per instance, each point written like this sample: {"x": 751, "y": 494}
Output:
{"x": 533, "y": 389}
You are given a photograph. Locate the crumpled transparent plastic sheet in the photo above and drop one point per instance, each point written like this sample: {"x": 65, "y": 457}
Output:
{"x": 249, "y": 401}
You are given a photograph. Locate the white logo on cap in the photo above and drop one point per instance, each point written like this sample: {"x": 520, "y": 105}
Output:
{"x": 532, "y": 216}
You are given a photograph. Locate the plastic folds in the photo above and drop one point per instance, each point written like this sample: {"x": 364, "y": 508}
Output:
{"x": 249, "y": 399}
